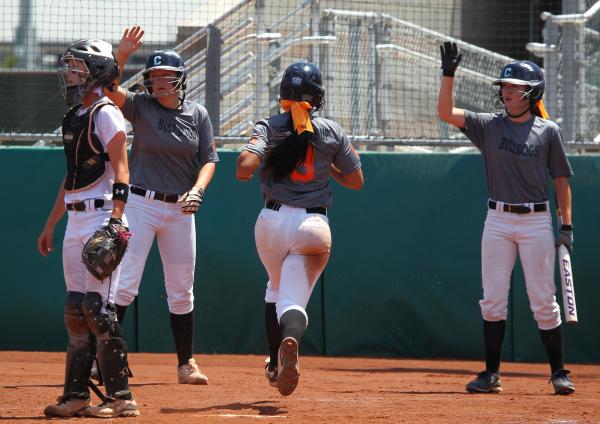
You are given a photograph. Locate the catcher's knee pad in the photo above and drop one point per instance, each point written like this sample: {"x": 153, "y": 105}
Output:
{"x": 80, "y": 351}
{"x": 99, "y": 321}
{"x": 75, "y": 321}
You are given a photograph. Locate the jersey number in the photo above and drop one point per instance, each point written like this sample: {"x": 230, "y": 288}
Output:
{"x": 309, "y": 168}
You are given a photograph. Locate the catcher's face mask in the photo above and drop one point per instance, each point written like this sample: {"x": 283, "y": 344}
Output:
{"x": 74, "y": 79}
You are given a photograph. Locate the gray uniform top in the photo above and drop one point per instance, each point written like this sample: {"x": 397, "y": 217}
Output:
{"x": 518, "y": 157}
{"x": 169, "y": 146}
{"x": 330, "y": 145}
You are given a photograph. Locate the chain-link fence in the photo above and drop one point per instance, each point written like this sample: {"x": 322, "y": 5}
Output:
{"x": 380, "y": 59}
{"x": 571, "y": 55}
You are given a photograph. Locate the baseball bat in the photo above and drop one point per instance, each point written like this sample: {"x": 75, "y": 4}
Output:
{"x": 566, "y": 279}
{"x": 567, "y": 284}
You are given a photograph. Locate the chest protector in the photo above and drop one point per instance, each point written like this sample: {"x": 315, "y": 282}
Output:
{"x": 84, "y": 151}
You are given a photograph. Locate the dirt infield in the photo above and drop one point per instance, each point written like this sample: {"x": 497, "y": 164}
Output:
{"x": 331, "y": 390}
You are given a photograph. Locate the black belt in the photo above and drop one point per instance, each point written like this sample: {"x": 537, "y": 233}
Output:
{"x": 520, "y": 209}
{"x": 164, "y": 197}
{"x": 81, "y": 206}
{"x": 271, "y": 204}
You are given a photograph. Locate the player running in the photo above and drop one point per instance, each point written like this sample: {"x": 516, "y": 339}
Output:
{"x": 297, "y": 153}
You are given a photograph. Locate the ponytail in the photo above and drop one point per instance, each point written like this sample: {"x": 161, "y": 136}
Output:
{"x": 284, "y": 154}
{"x": 540, "y": 110}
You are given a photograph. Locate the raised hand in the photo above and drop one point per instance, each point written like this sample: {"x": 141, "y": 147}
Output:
{"x": 131, "y": 40}
{"x": 450, "y": 58}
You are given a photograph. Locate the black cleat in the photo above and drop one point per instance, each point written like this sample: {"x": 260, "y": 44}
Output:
{"x": 485, "y": 382}
{"x": 562, "y": 383}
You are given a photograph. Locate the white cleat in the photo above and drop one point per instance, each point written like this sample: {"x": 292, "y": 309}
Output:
{"x": 113, "y": 408}
{"x": 270, "y": 373}
{"x": 191, "y": 374}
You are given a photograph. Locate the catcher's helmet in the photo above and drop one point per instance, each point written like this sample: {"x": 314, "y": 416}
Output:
{"x": 524, "y": 72}
{"x": 167, "y": 60}
{"x": 303, "y": 82}
{"x": 95, "y": 64}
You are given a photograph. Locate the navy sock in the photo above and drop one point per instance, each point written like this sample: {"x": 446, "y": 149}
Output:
{"x": 293, "y": 324}
{"x": 183, "y": 332}
{"x": 493, "y": 335}
{"x": 273, "y": 333}
{"x": 553, "y": 343}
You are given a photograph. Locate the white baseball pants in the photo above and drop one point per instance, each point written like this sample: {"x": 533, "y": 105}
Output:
{"x": 176, "y": 236}
{"x": 80, "y": 227}
{"x": 531, "y": 236}
{"x": 294, "y": 248}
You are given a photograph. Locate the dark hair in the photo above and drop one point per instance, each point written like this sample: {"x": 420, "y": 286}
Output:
{"x": 285, "y": 152}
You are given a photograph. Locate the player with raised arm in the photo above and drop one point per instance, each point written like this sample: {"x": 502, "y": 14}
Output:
{"x": 521, "y": 149}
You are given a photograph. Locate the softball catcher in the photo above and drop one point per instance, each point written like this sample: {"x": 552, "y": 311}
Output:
{"x": 94, "y": 192}
{"x": 297, "y": 153}
{"x": 521, "y": 148}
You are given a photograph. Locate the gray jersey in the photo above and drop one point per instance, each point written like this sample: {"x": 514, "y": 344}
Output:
{"x": 169, "y": 146}
{"x": 329, "y": 145}
{"x": 518, "y": 157}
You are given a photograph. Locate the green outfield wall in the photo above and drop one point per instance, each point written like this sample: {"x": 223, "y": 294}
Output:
{"x": 403, "y": 279}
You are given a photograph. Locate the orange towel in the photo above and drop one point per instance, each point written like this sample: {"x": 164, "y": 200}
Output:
{"x": 300, "y": 115}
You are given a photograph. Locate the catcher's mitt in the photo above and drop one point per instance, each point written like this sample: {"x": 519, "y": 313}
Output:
{"x": 104, "y": 250}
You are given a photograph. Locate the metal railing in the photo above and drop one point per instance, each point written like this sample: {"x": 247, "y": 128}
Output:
{"x": 381, "y": 73}
{"x": 571, "y": 53}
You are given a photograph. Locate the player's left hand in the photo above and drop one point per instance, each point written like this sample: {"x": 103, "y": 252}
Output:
{"x": 450, "y": 58}
{"x": 190, "y": 202}
{"x": 104, "y": 250}
{"x": 565, "y": 236}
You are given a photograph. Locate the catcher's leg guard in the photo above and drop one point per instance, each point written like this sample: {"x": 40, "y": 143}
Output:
{"x": 111, "y": 349}
{"x": 80, "y": 351}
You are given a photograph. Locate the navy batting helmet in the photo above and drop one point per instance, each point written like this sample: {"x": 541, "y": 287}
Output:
{"x": 95, "y": 64}
{"x": 524, "y": 72}
{"x": 303, "y": 82}
{"x": 168, "y": 60}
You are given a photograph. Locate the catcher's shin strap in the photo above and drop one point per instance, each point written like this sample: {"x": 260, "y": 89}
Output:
{"x": 273, "y": 205}
{"x": 520, "y": 209}
{"x": 156, "y": 195}
{"x": 89, "y": 204}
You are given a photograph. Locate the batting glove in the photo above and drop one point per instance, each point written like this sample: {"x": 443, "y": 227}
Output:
{"x": 190, "y": 202}
{"x": 565, "y": 236}
{"x": 450, "y": 58}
